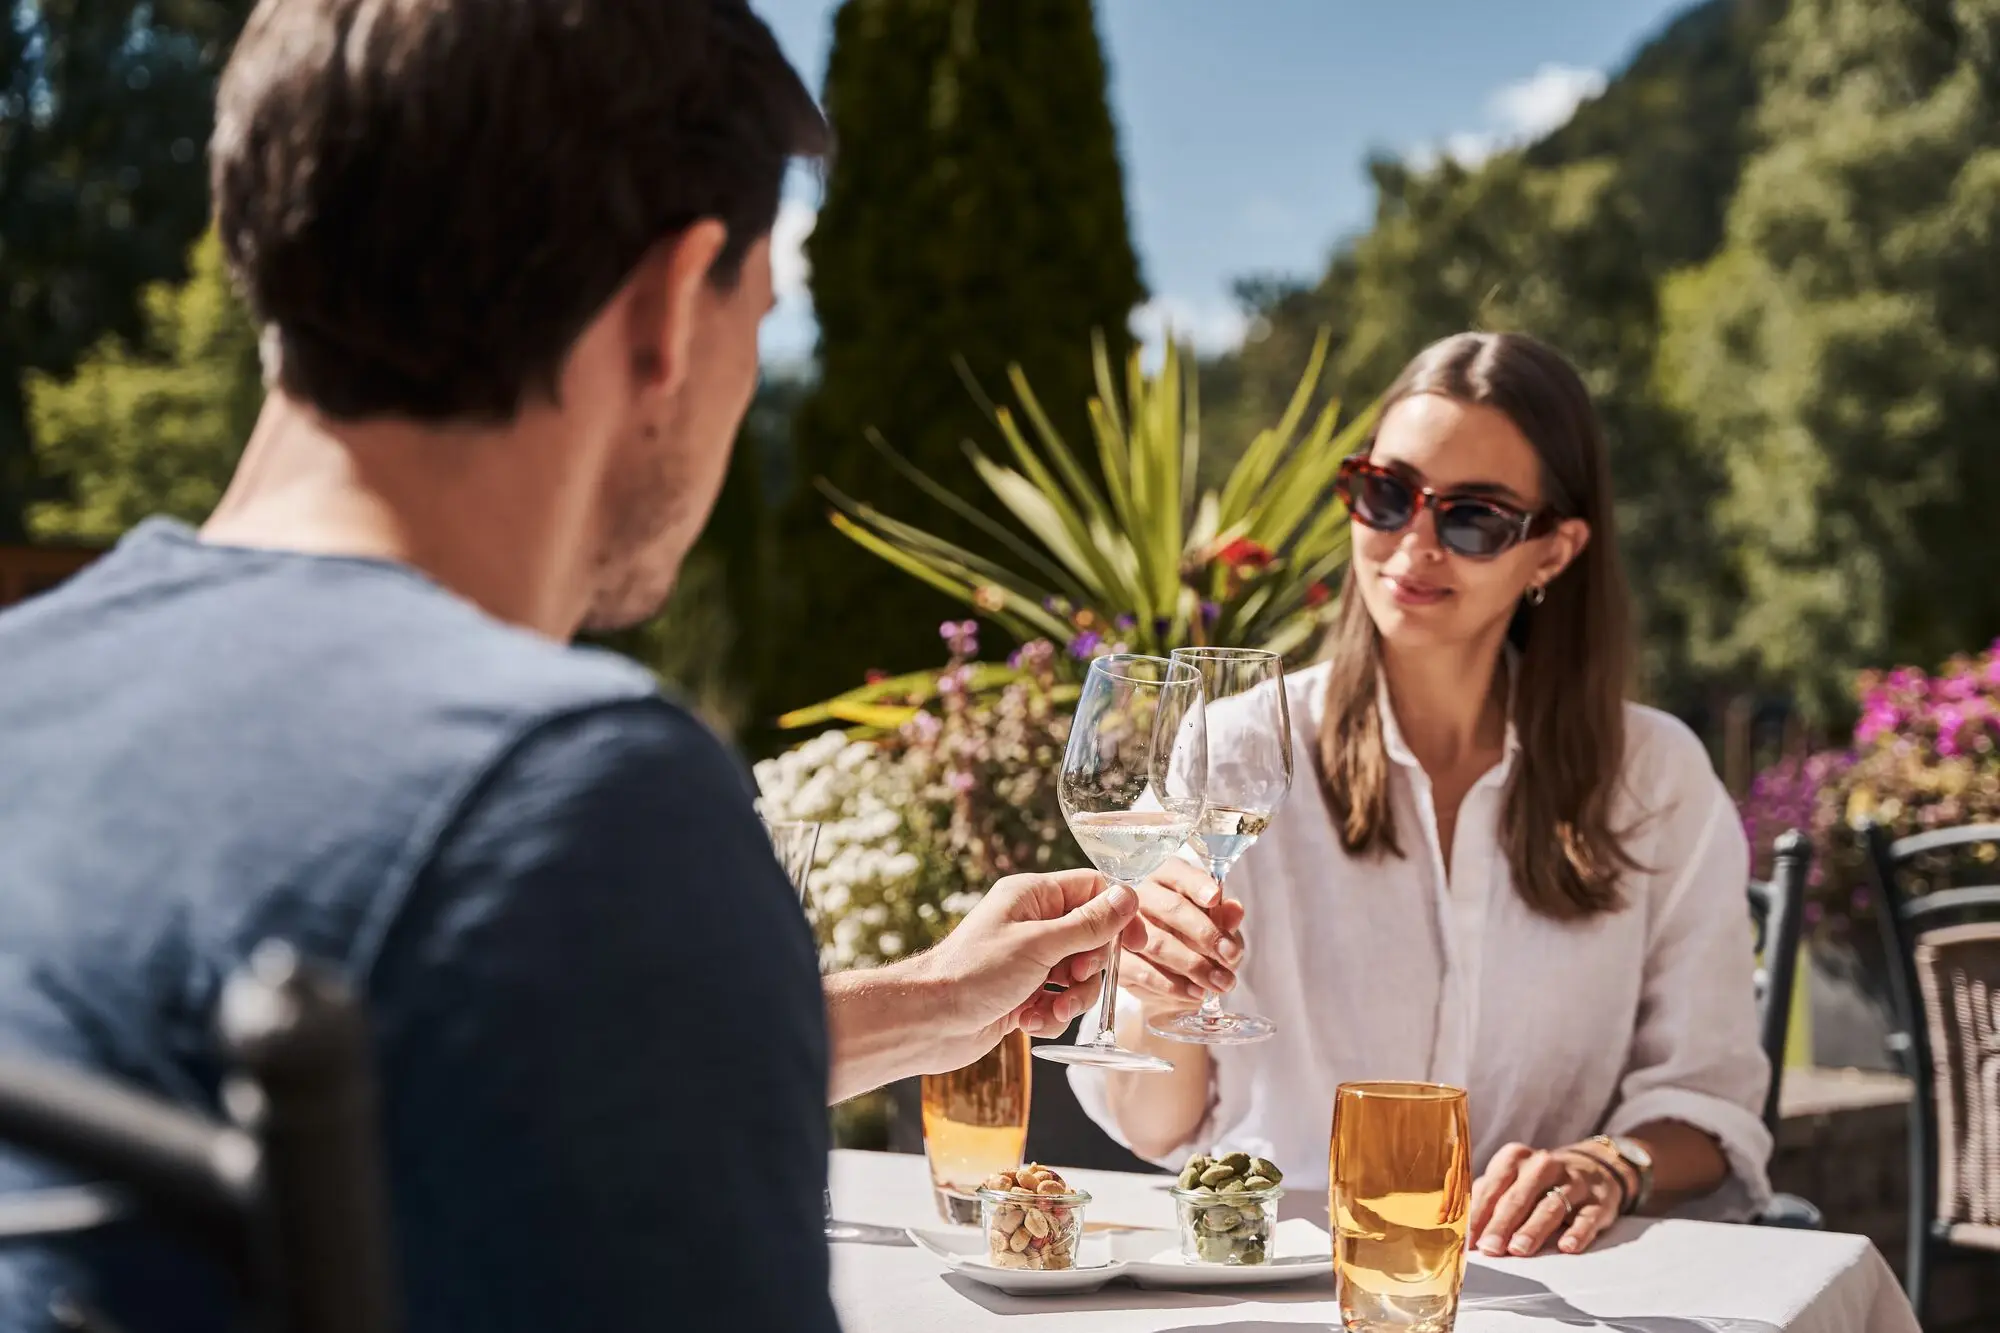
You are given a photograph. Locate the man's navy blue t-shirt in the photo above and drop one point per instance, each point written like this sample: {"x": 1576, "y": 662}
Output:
{"x": 602, "y": 1055}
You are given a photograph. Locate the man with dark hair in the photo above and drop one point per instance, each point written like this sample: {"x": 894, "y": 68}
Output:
{"x": 509, "y": 261}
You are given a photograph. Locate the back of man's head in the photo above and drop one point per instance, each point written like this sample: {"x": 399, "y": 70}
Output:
{"x": 424, "y": 202}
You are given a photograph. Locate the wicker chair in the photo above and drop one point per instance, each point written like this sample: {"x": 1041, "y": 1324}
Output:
{"x": 1943, "y": 946}
{"x": 288, "y": 1194}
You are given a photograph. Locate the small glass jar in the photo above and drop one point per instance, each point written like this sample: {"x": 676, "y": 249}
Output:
{"x": 1233, "y": 1229}
{"x": 1039, "y": 1232}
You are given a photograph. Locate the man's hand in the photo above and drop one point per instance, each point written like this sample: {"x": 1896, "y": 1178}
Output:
{"x": 1193, "y": 944}
{"x": 1027, "y": 931}
{"x": 944, "y": 1009}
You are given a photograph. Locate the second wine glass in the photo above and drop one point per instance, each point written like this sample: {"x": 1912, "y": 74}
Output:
{"x": 1131, "y": 787}
{"x": 1249, "y": 774}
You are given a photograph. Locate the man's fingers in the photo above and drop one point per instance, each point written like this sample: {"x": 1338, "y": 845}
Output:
{"x": 1091, "y": 924}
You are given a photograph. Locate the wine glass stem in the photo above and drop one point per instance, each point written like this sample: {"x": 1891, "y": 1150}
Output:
{"x": 1211, "y": 1001}
{"x": 1107, "y": 998}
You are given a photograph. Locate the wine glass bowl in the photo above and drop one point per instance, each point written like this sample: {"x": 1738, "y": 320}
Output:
{"x": 1131, "y": 789}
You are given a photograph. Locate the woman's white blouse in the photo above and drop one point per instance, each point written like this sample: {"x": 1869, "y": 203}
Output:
{"x": 1394, "y": 969}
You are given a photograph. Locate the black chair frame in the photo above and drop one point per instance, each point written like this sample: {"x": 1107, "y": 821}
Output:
{"x": 288, "y": 1192}
{"x": 1903, "y": 917}
{"x": 1777, "y": 907}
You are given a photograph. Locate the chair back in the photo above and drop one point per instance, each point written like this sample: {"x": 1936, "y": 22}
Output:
{"x": 288, "y": 1191}
{"x": 1942, "y": 939}
{"x": 1777, "y": 909}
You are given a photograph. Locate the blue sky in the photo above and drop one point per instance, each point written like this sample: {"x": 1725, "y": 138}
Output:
{"x": 1245, "y": 124}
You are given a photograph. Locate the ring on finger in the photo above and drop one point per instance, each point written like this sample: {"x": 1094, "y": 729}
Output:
{"x": 1560, "y": 1194}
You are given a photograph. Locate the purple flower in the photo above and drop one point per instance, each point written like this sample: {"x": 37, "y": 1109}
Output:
{"x": 1879, "y": 717}
{"x": 961, "y": 635}
{"x": 1209, "y": 612}
{"x": 1161, "y": 626}
{"x": 1950, "y": 720}
{"x": 1813, "y": 913}
{"x": 961, "y": 781}
{"x": 1859, "y": 899}
{"x": 1084, "y": 645}
{"x": 1906, "y": 678}
{"x": 1125, "y": 622}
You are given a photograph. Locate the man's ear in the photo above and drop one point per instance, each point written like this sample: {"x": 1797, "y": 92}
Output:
{"x": 663, "y": 302}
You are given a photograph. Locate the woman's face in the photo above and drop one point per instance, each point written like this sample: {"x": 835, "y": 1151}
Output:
{"x": 1421, "y": 594}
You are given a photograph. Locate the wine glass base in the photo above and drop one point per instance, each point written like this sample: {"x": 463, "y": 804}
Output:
{"x": 1202, "y": 1029}
{"x": 1106, "y": 1057}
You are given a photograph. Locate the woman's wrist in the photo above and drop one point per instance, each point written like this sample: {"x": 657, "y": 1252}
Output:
{"x": 1615, "y": 1168}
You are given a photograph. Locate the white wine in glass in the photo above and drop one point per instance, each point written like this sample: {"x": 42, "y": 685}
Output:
{"x": 1131, "y": 788}
{"x": 1249, "y": 775}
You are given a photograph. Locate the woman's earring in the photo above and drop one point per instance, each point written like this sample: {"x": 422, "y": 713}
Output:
{"x": 1538, "y": 594}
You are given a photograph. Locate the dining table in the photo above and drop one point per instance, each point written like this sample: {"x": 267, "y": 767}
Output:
{"x": 1645, "y": 1275}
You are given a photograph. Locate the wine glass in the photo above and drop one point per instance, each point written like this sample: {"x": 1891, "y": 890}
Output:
{"x": 1131, "y": 789}
{"x": 795, "y": 842}
{"x": 1245, "y": 692}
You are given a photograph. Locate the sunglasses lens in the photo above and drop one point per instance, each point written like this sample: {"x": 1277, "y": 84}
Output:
{"x": 1383, "y": 500}
{"x": 1474, "y": 528}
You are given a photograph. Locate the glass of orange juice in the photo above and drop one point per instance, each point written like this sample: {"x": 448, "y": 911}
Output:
{"x": 1401, "y": 1190}
{"x": 976, "y": 1124}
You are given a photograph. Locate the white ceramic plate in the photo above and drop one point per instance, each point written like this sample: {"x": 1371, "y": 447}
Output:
{"x": 964, "y": 1251}
{"x": 1299, "y": 1250}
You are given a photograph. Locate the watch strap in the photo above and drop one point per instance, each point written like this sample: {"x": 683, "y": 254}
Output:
{"x": 1641, "y": 1163}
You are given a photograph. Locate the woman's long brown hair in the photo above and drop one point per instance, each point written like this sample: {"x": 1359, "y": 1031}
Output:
{"x": 1575, "y": 652}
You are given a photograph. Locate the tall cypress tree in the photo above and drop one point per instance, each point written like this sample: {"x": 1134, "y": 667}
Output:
{"x": 975, "y": 209}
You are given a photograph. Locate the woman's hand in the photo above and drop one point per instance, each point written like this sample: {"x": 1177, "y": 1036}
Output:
{"x": 1528, "y": 1198}
{"x": 1193, "y": 942}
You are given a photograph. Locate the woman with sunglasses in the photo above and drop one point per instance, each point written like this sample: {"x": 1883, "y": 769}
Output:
{"x": 1509, "y": 880}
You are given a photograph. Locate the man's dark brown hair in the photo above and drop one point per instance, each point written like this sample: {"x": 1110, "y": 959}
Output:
{"x": 425, "y": 201}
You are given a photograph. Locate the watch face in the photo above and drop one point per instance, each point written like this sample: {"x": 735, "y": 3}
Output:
{"x": 1635, "y": 1154}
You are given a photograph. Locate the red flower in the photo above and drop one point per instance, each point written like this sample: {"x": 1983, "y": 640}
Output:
{"x": 1318, "y": 594}
{"x": 876, "y": 677}
{"x": 1244, "y": 553}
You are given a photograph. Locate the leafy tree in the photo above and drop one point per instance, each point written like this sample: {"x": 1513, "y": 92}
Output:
{"x": 1567, "y": 239}
{"x": 104, "y": 108}
{"x": 976, "y": 213}
{"x": 1838, "y": 358}
{"x": 154, "y": 426}
{"x": 1677, "y": 122}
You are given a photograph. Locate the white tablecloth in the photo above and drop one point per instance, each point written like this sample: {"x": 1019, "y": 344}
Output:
{"x": 1645, "y": 1277}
